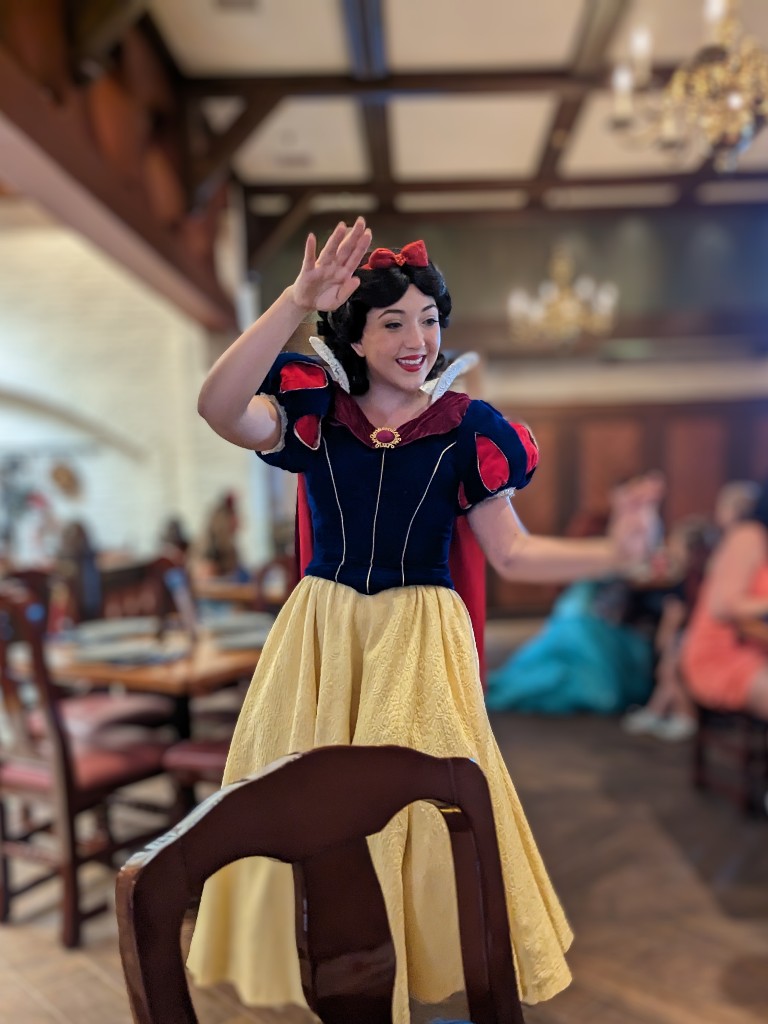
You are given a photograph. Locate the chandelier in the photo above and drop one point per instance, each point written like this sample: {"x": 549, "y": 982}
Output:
{"x": 714, "y": 104}
{"x": 564, "y": 309}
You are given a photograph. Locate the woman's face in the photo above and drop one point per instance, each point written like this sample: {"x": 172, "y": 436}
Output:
{"x": 401, "y": 342}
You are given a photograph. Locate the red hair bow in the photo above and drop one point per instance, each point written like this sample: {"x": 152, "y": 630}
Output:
{"x": 414, "y": 254}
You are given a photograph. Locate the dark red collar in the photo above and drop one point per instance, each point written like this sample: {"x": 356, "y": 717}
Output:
{"x": 440, "y": 417}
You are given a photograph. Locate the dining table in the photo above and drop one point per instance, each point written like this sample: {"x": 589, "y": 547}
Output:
{"x": 185, "y": 668}
{"x": 245, "y": 594}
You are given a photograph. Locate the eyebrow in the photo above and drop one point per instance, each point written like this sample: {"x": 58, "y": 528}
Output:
{"x": 431, "y": 305}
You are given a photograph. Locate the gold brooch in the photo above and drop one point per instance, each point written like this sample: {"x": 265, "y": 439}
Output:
{"x": 385, "y": 437}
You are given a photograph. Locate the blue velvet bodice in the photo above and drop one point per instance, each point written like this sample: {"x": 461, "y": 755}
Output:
{"x": 383, "y": 516}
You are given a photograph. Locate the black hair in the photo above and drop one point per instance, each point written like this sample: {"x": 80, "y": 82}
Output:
{"x": 760, "y": 512}
{"x": 378, "y": 289}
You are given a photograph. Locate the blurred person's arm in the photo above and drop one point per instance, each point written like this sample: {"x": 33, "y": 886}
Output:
{"x": 742, "y": 553}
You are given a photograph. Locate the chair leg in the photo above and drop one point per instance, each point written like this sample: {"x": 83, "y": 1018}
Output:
{"x": 70, "y": 905}
{"x": 70, "y": 901}
{"x": 5, "y": 880}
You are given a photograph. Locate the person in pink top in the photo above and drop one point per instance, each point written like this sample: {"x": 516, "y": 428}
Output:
{"x": 720, "y": 670}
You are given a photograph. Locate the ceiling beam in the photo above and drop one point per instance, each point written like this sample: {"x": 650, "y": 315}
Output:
{"x": 96, "y": 26}
{"x": 601, "y": 20}
{"x": 365, "y": 38}
{"x": 211, "y": 168}
{"x": 48, "y": 157}
{"x": 365, "y": 41}
{"x": 282, "y": 231}
{"x": 427, "y": 83}
{"x": 500, "y": 184}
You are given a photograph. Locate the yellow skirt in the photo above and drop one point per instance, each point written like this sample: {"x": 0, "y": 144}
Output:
{"x": 396, "y": 667}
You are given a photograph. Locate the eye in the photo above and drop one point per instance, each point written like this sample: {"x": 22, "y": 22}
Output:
{"x": 392, "y": 325}
{"x": 431, "y": 321}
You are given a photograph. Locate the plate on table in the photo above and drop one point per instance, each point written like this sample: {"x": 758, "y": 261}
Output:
{"x": 102, "y": 630}
{"x": 254, "y": 638}
{"x": 238, "y": 622}
{"x": 129, "y": 652}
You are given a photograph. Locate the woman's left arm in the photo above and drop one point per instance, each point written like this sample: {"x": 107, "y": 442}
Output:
{"x": 522, "y": 557}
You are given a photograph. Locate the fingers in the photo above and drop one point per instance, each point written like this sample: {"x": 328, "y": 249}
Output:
{"x": 354, "y": 245}
{"x": 329, "y": 250}
{"x": 346, "y": 245}
{"x": 347, "y": 289}
{"x": 310, "y": 252}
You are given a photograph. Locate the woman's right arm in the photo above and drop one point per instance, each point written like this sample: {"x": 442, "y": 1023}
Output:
{"x": 325, "y": 281}
{"x": 741, "y": 554}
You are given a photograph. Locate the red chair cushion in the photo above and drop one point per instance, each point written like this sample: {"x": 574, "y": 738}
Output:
{"x": 203, "y": 759}
{"x": 85, "y": 714}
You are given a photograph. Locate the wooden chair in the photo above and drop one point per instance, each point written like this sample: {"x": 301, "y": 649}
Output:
{"x": 275, "y": 581}
{"x": 314, "y": 811}
{"x": 57, "y": 778}
{"x": 730, "y": 757}
{"x": 84, "y": 714}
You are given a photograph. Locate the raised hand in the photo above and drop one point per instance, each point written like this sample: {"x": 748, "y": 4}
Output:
{"x": 327, "y": 280}
{"x": 635, "y": 525}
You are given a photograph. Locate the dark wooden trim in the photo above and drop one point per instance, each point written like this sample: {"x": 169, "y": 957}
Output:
{"x": 365, "y": 38}
{"x": 282, "y": 232}
{"x": 98, "y": 25}
{"x": 54, "y": 138}
{"x": 598, "y": 28}
{"x": 215, "y": 164}
{"x": 422, "y": 83}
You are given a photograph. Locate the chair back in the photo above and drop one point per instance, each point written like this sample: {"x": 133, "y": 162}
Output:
{"x": 22, "y": 622}
{"x": 275, "y": 581}
{"x": 314, "y": 811}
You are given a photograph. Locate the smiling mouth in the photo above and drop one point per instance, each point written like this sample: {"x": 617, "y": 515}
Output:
{"x": 411, "y": 363}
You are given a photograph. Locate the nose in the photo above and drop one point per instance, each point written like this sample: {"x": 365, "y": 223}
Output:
{"x": 414, "y": 338}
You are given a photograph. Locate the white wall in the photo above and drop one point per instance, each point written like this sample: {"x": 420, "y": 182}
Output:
{"x": 97, "y": 368}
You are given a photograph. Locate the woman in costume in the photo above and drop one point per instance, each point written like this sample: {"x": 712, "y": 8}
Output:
{"x": 375, "y": 646}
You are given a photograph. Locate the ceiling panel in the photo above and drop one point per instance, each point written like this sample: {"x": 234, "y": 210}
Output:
{"x": 678, "y": 27}
{"x": 431, "y": 35}
{"x": 448, "y": 137}
{"x": 595, "y": 149}
{"x": 306, "y": 140}
{"x": 592, "y": 196}
{"x": 267, "y": 37}
{"x": 488, "y": 199}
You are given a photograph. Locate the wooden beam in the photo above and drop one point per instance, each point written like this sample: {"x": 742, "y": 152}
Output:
{"x": 284, "y": 230}
{"x": 48, "y": 157}
{"x": 601, "y": 20}
{"x": 419, "y": 84}
{"x": 215, "y": 164}
{"x": 497, "y": 184}
{"x": 365, "y": 40}
{"x": 96, "y": 26}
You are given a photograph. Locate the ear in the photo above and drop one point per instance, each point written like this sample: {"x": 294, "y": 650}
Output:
{"x": 357, "y": 348}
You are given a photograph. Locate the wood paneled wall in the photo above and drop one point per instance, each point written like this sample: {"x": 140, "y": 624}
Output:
{"x": 585, "y": 451}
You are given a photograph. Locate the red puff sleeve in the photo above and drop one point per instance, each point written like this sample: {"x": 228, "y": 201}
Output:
{"x": 301, "y": 391}
{"x": 495, "y": 456}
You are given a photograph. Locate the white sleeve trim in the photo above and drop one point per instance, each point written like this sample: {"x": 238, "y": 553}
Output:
{"x": 283, "y": 426}
{"x": 505, "y": 492}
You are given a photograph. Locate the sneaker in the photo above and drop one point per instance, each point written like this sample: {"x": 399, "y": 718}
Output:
{"x": 675, "y": 728}
{"x": 641, "y": 720}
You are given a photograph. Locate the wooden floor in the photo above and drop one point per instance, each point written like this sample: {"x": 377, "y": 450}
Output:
{"x": 667, "y": 892}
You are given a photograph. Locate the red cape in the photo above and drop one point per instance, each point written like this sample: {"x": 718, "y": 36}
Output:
{"x": 466, "y": 563}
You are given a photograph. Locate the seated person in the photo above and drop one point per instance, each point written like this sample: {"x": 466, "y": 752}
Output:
{"x": 669, "y": 714}
{"x": 583, "y": 660}
{"x": 720, "y": 671}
